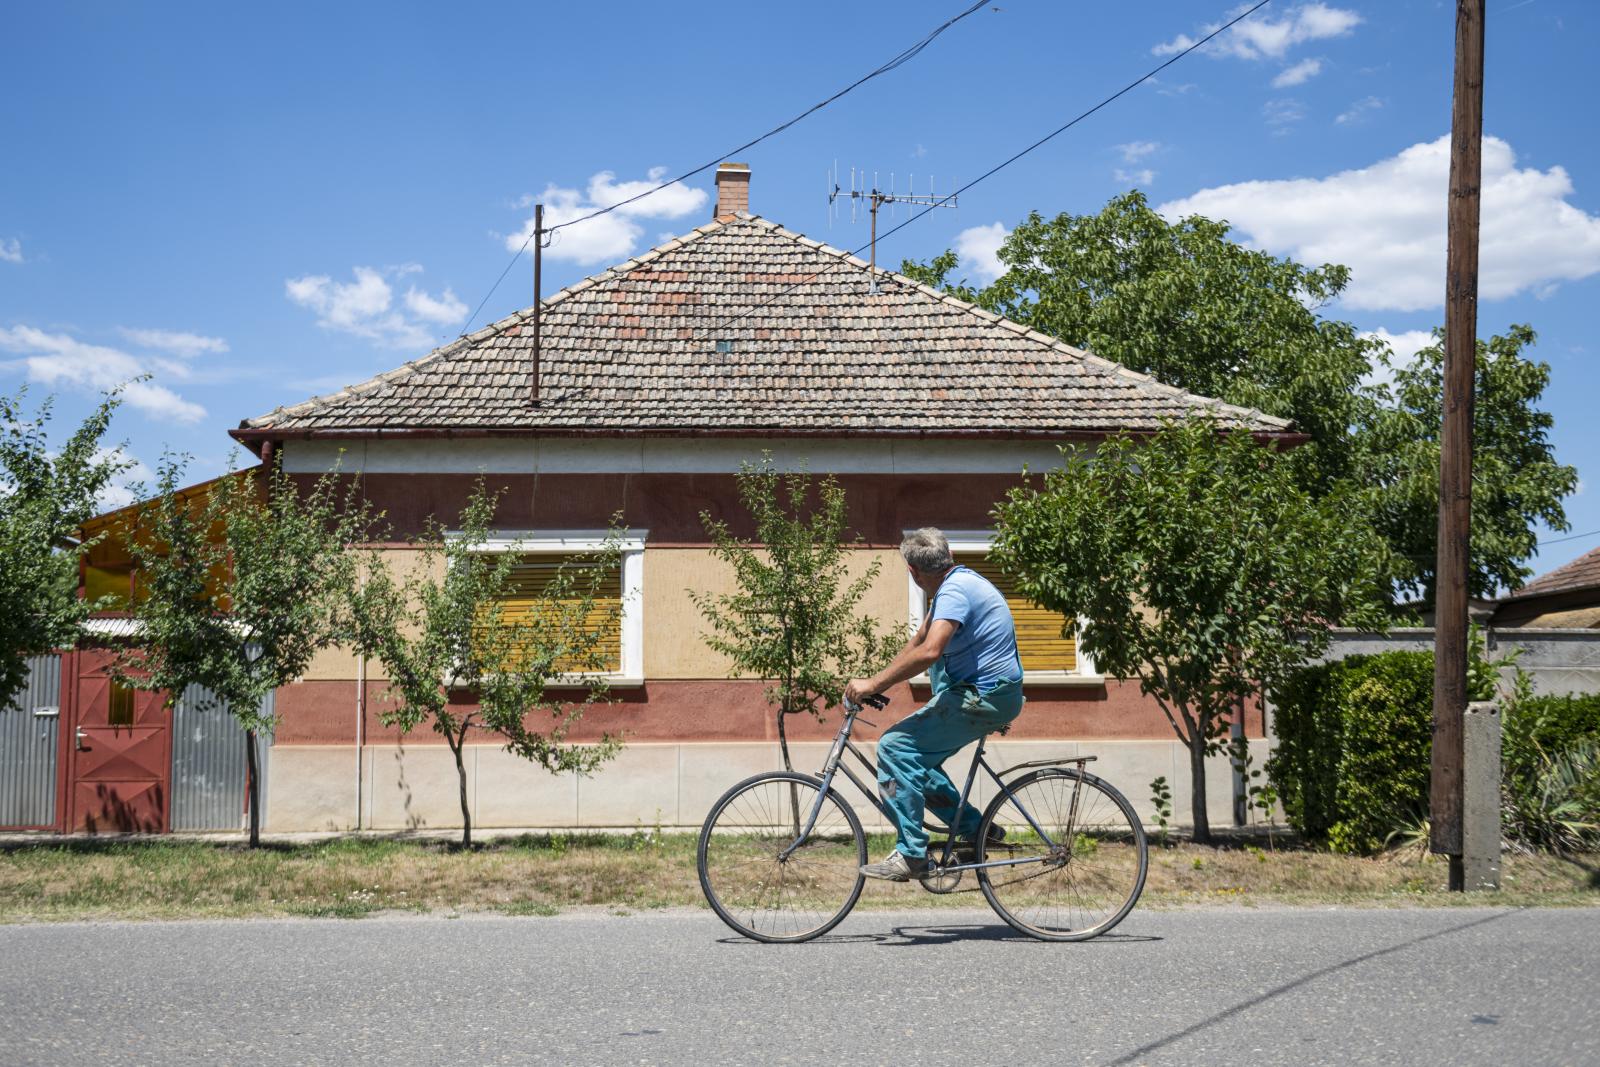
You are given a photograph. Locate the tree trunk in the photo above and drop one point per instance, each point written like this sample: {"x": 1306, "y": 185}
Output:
{"x": 252, "y": 786}
{"x": 794, "y": 790}
{"x": 1197, "y": 789}
{"x": 458, "y": 749}
{"x": 783, "y": 739}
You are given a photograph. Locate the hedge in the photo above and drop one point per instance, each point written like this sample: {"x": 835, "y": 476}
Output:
{"x": 1354, "y": 739}
{"x": 1538, "y": 728}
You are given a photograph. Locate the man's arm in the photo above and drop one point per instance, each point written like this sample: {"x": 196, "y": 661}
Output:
{"x": 918, "y": 655}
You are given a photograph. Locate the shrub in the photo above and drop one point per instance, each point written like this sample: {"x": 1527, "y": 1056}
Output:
{"x": 1551, "y": 780}
{"x": 1538, "y": 728}
{"x": 1353, "y": 747}
{"x": 1355, "y": 743}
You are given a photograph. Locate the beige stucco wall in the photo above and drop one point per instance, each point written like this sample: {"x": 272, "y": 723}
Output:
{"x": 674, "y": 642}
{"x": 404, "y": 564}
{"x": 313, "y": 787}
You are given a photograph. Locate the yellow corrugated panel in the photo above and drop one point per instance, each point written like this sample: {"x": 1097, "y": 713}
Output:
{"x": 533, "y": 574}
{"x": 1039, "y": 639}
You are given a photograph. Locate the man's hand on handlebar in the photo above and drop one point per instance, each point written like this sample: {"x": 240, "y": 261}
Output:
{"x": 859, "y": 690}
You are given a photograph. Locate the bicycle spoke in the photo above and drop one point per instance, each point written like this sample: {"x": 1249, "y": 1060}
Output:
{"x": 804, "y": 892}
{"x": 1084, "y": 884}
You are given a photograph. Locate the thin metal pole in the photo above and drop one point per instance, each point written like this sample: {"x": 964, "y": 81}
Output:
{"x": 1455, "y": 444}
{"x": 872, "y": 265}
{"x": 538, "y": 292}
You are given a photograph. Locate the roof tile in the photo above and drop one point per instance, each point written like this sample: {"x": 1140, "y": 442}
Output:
{"x": 814, "y": 348}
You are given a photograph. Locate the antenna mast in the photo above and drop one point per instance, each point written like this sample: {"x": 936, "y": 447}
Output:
{"x": 875, "y": 198}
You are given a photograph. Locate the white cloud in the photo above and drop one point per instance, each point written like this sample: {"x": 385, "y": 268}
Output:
{"x": 1298, "y": 74}
{"x": 1283, "y": 113}
{"x": 10, "y": 250}
{"x": 365, "y": 306}
{"x": 1134, "y": 151}
{"x": 1263, "y": 37}
{"x": 446, "y": 309}
{"x": 1403, "y": 348}
{"x": 978, "y": 247}
{"x": 174, "y": 342}
{"x": 1146, "y": 176}
{"x": 614, "y": 235}
{"x": 58, "y": 359}
{"x": 1386, "y": 223}
{"x": 125, "y": 487}
{"x": 1358, "y": 111}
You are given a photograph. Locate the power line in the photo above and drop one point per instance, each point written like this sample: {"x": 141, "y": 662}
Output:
{"x": 903, "y": 57}
{"x": 992, "y": 171}
{"x": 1569, "y": 537}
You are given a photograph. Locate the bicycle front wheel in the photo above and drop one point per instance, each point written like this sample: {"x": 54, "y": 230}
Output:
{"x": 1075, "y": 851}
{"x": 762, "y": 877}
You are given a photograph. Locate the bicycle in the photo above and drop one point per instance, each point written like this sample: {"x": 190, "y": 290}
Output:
{"x": 780, "y": 852}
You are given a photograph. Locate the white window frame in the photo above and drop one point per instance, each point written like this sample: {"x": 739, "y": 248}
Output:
{"x": 562, "y": 542}
{"x": 972, "y": 541}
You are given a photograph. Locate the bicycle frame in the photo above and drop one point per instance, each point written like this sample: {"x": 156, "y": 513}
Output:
{"x": 835, "y": 764}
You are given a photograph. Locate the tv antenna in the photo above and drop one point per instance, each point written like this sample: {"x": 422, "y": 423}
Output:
{"x": 861, "y": 193}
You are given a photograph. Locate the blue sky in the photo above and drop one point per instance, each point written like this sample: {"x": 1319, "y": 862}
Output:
{"x": 256, "y": 204}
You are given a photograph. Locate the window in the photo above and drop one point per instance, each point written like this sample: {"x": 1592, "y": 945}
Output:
{"x": 542, "y": 553}
{"x": 1039, "y": 640}
{"x": 120, "y": 711}
{"x": 532, "y": 576}
{"x": 1047, "y": 656}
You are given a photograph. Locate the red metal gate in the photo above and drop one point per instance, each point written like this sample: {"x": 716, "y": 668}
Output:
{"x": 117, "y": 751}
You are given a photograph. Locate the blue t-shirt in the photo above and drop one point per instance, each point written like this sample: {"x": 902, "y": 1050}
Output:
{"x": 983, "y": 650}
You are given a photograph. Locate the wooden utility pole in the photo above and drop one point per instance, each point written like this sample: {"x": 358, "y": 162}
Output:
{"x": 1455, "y": 444}
{"x": 538, "y": 295}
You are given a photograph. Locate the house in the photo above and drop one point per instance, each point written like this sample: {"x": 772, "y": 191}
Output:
{"x": 656, "y": 379}
{"x": 1565, "y": 598}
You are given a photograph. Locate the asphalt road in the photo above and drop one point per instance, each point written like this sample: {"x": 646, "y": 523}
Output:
{"x": 1464, "y": 987}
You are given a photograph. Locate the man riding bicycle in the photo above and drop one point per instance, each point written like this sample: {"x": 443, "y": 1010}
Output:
{"x": 968, "y": 646}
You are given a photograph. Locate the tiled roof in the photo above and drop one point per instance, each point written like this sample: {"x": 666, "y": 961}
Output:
{"x": 1581, "y": 573}
{"x": 635, "y": 350}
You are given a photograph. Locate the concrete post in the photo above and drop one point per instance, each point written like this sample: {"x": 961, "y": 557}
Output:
{"x": 1480, "y": 808}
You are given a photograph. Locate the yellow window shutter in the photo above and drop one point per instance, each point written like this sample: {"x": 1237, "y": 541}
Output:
{"x": 1039, "y": 639}
{"x": 533, "y": 574}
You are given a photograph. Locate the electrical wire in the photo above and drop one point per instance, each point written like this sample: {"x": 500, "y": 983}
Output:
{"x": 992, "y": 171}
{"x": 1569, "y": 537}
{"x": 899, "y": 60}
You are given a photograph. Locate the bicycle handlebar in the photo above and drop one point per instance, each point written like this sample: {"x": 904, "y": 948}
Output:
{"x": 876, "y": 700}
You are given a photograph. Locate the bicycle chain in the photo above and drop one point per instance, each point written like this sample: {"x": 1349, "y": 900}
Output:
{"x": 977, "y": 888}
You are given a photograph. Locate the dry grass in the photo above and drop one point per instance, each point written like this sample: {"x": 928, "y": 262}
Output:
{"x": 542, "y": 875}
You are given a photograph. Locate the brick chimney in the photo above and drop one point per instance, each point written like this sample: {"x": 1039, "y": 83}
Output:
{"x": 733, "y": 189}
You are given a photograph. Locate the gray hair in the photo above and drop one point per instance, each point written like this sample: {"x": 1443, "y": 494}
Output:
{"x": 927, "y": 551}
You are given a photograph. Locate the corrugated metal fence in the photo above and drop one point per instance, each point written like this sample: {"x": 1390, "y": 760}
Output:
{"x": 28, "y": 731}
{"x": 208, "y": 764}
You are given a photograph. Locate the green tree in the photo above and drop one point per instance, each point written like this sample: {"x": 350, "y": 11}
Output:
{"x": 238, "y": 588}
{"x": 1516, "y": 481}
{"x": 45, "y": 496}
{"x": 793, "y": 620}
{"x": 1183, "y": 303}
{"x": 446, "y": 628}
{"x": 1201, "y": 566}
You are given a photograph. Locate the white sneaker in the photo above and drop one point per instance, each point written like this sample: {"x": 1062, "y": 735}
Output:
{"x": 896, "y": 868}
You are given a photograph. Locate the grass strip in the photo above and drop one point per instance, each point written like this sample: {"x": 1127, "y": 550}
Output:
{"x": 542, "y": 874}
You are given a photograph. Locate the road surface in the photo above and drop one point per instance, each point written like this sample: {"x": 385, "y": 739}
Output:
{"x": 1248, "y": 986}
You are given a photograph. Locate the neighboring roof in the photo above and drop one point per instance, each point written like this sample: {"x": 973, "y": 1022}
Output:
{"x": 814, "y": 350}
{"x": 1581, "y": 573}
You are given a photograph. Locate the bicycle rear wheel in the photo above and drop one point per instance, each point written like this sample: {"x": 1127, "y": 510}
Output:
{"x": 749, "y": 881}
{"x": 1083, "y": 875}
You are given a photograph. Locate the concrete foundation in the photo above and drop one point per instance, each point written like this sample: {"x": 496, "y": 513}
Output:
{"x": 1480, "y": 801}
{"x": 415, "y": 787}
